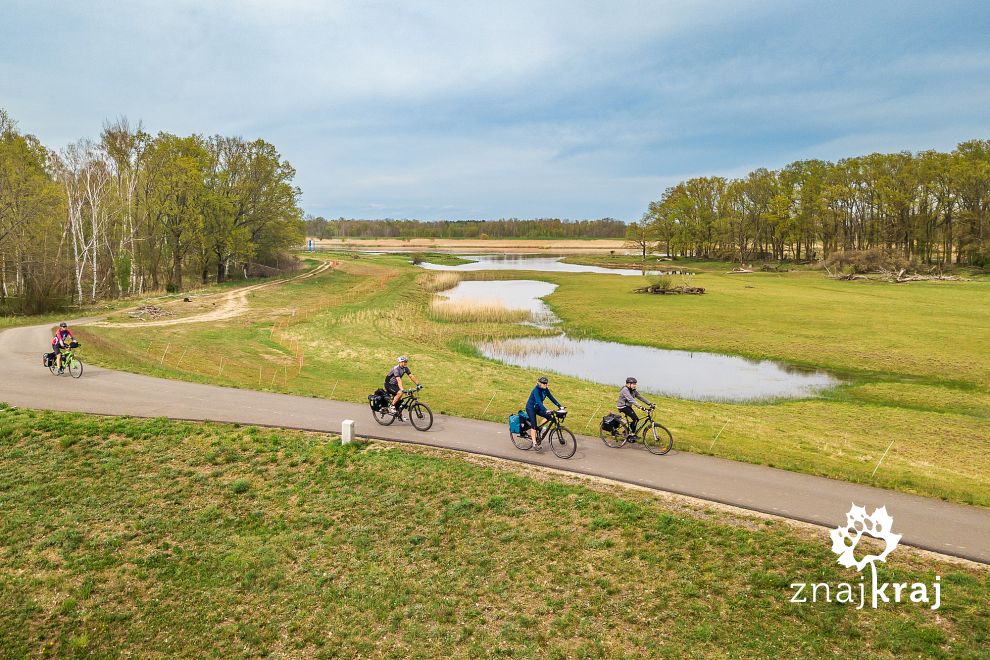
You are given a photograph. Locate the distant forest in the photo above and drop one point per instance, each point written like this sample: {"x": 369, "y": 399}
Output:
{"x": 506, "y": 228}
{"x": 930, "y": 207}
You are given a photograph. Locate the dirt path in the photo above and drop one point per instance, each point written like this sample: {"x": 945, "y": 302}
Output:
{"x": 229, "y": 304}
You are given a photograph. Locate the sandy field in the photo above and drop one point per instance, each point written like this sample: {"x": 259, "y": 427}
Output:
{"x": 474, "y": 245}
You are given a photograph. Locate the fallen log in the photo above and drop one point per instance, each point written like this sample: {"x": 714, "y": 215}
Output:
{"x": 666, "y": 291}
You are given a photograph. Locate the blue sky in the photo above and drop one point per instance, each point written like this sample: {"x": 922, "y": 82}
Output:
{"x": 500, "y": 109}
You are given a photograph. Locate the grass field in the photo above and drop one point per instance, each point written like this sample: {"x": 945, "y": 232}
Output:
{"x": 159, "y": 538}
{"x": 920, "y": 383}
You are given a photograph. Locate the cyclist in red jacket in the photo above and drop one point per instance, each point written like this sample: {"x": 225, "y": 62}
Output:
{"x": 61, "y": 341}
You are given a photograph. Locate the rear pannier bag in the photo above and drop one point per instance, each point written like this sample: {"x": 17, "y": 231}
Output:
{"x": 611, "y": 422}
{"x": 518, "y": 422}
{"x": 46, "y": 359}
{"x": 378, "y": 400}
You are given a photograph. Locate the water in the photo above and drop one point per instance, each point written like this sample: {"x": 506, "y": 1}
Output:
{"x": 513, "y": 294}
{"x": 537, "y": 262}
{"x": 682, "y": 374}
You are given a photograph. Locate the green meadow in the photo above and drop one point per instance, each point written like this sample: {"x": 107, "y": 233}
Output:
{"x": 914, "y": 360}
{"x": 167, "y": 538}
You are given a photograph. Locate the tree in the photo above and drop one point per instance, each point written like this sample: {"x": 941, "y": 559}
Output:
{"x": 639, "y": 236}
{"x": 176, "y": 192}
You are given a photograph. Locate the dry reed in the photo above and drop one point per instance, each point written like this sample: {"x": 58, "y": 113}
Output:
{"x": 440, "y": 281}
{"x": 476, "y": 311}
{"x": 500, "y": 349}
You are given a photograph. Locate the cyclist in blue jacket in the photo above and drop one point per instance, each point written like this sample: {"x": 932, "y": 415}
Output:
{"x": 534, "y": 406}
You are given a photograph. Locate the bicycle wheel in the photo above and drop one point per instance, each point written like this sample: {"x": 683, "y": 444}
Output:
{"x": 383, "y": 416}
{"x": 562, "y": 442}
{"x": 75, "y": 368}
{"x": 615, "y": 438}
{"x": 521, "y": 440}
{"x": 421, "y": 417}
{"x": 657, "y": 439}
{"x": 53, "y": 367}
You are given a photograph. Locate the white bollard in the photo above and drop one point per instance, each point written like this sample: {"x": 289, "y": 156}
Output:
{"x": 347, "y": 431}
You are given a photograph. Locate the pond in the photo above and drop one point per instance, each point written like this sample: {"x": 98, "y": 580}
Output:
{"x": 683, "y": 374}
{"x": 513, "y": 294}
{"x": 538, "y": 262}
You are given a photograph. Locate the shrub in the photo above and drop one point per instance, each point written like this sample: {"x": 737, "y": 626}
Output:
{"x": 662, "y": 283}
{"x": 867, "y": 261}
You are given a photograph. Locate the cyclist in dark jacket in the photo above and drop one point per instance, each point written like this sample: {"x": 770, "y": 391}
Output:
{"x": 534, "y": 406}
{"x": 627, "y": 401}
{"x": 393, "y": 381}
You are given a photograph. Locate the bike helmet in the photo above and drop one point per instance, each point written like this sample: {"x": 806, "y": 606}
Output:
{"x": 630, "y": 381}
{"x": 402, "y": 358}
{"x": 63, "y": 324}
{"x": 543, "y": 379}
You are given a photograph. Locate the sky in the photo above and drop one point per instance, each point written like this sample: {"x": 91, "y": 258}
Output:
{"x": 460, "y": 110}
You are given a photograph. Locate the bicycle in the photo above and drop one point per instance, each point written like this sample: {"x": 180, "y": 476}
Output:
{"x": 562, "y": 441}
{"x": 70, "y": 362}
{"x": 420, "y": 414}
{"x": 656, "y": 436}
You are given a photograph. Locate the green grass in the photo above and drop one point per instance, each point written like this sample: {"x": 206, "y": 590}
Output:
{"x": 440, "y": 258}
{"x": 339, "y": 333}
{"x": 933, "y": 331}
{"x": 158, "y": 538}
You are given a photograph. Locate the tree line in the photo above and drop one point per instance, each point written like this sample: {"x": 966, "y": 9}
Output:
{"x": 319, "y": 227}
{"x": 134, "y": 212}
{"x": 931, "y": 207}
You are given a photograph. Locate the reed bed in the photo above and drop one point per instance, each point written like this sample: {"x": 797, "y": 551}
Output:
{"x": 476, "y": 311}
{"x": 440, "y": 280}
{"x": 500, "y": 349}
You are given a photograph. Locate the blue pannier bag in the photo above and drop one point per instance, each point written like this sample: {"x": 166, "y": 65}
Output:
{"x": 518, "y": 421}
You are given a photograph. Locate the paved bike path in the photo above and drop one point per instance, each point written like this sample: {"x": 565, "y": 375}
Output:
{"x": 952, "y": 529}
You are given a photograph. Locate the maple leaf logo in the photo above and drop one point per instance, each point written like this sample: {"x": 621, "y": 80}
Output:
{"x": 846, "y": 538}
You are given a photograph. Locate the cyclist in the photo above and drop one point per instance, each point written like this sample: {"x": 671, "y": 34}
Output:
{"x": 627, "y": 401}
{"x": 61, "y": 341}
{"x": 534, "y": 406}
{"x": 393, "y": 381}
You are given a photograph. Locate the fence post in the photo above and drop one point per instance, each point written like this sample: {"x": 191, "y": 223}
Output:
{"x": 489, "y": 403}
{"x": 592, "y": 416}
{"x": 881, "y": 459}
{"x": 718, "y": 434}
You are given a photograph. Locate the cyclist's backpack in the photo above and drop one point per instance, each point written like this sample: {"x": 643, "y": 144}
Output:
{"x": 518, "y": 422}
{"x": 378, "y": 400}
{"x": 611, "y": 422}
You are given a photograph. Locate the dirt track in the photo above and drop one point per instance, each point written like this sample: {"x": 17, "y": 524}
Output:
{"x": 229, "y": 304}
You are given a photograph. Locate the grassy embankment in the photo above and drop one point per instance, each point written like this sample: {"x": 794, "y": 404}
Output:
{"x": 915, "y": 358}
{"x": 151, "y": 537}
